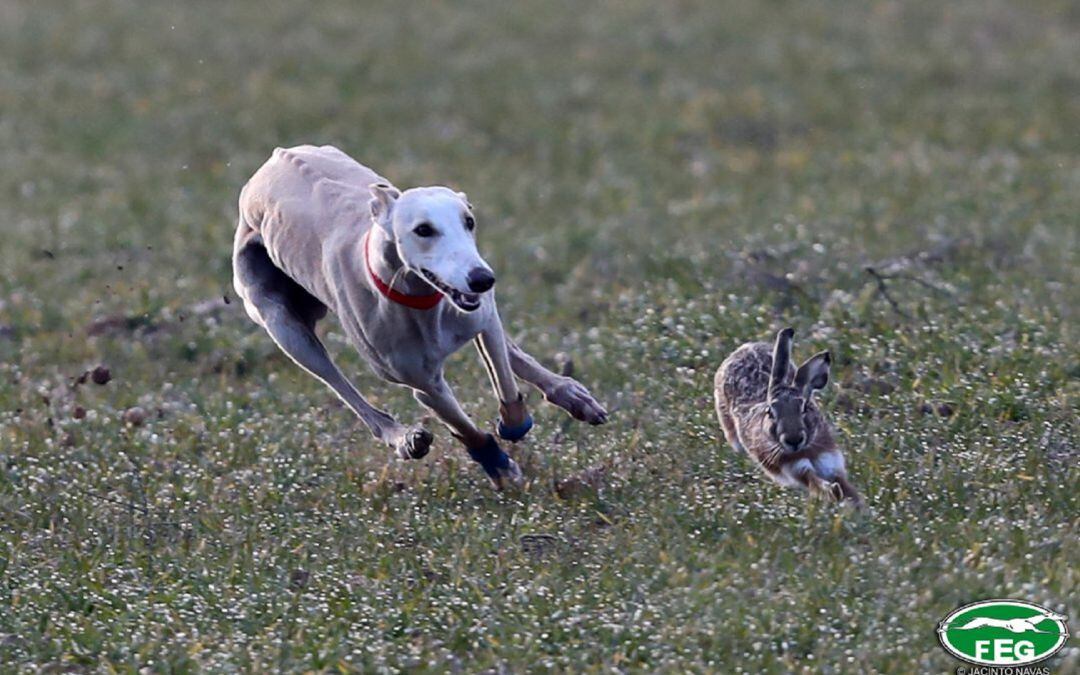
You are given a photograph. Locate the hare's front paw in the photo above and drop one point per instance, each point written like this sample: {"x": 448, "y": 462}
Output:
{"x": 856, "y": 503}
{"x": 836, "y": 491}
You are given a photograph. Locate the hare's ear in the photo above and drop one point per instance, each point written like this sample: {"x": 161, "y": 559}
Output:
{"x": 781, "y": 359}
{"x": 383, "y": 198}
{"x": 813, "y": 374}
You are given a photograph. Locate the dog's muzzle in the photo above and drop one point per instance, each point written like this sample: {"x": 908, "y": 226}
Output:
{"x": 466, "y": 302}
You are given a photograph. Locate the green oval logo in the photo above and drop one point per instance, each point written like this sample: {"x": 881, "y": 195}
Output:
{"x": 1003, "y": 633}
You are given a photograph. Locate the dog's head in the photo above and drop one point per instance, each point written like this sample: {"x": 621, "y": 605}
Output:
{"x": 434, "y": 231}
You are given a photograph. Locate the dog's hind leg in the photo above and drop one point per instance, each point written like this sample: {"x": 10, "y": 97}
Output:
{"x": 564, "y": 392}
{"x": 288, "y": 313}
{"x": 482, "y": 446}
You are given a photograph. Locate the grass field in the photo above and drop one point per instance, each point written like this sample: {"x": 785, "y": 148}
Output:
{"x": 656, "y": 183}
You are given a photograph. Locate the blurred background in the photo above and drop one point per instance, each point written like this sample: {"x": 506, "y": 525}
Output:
{"x": 611, "y": 140}
{"x": 655, "y": 184}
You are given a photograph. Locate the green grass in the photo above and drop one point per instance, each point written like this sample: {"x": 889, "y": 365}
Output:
{"x": 656, "y": 183}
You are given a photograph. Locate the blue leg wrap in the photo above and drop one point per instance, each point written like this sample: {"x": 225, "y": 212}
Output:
{"x": 491, "y": 457}
{"x": 515, "y": 433}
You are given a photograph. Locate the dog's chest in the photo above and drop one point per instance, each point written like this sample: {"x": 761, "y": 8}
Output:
{"x": 412, "y": 351}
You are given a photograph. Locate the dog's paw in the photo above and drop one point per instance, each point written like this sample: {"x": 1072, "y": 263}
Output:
{"x": 574, "y": 398}
{"x": 510, "y": 475}
{"x": 415, "y": 444}
{"x": 498, "y": 466}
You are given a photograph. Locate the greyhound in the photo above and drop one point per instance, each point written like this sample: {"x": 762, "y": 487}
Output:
{"x": 1025, "y": 625}
{"x": 318, "y": 231}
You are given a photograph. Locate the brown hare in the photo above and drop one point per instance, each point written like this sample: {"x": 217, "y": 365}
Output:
{"x": 767, "y": 410}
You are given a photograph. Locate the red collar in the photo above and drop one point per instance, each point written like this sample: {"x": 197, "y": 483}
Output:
{"x": 412, "y": 301}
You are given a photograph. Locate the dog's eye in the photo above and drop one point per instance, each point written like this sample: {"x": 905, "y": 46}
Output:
{"x": 424, "y": 230}
{"x": 470, "y": 223}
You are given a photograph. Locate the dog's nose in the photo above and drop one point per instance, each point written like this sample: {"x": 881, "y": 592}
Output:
{"x": 793, "y": 441}
{"x": 481, "y": 280}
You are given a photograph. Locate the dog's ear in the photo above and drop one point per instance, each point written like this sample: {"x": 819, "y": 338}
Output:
{"x": 383, "y": 198}
{"x": 465, "y": 198}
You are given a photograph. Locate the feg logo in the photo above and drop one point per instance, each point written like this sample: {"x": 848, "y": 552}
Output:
{"x": 1003, "y": 633}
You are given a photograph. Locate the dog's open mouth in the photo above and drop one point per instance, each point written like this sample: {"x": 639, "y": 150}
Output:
{"x": 466, "y": 302}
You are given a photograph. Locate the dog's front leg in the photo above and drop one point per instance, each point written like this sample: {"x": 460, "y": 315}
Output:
{"x": 514, "y": 418}
{"x": 565, "y": 392}
{"x": 482, "y": 446}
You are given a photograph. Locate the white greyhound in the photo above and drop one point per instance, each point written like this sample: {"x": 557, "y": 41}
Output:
{"x": 1025, "y": 625}
{"x": 320, "y": 231}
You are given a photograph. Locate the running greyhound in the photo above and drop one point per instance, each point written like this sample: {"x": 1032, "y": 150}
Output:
{"x": 319, "y": 231}
{"x": 1025, "y": 625}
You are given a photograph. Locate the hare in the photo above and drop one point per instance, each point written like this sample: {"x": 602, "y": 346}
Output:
{"x": 767, "y": 410}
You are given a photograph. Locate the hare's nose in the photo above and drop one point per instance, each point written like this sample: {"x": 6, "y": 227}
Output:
{"x": 793, "y": 441}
